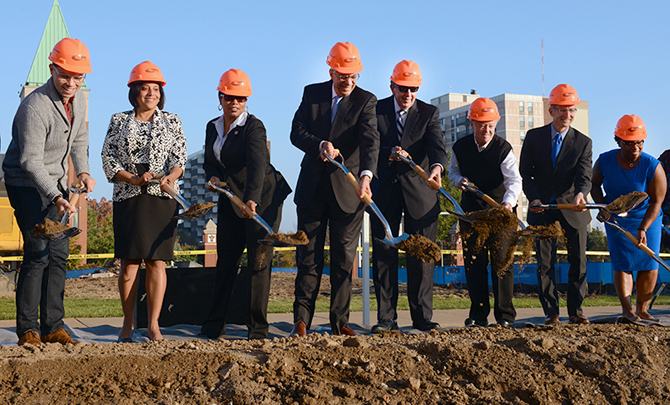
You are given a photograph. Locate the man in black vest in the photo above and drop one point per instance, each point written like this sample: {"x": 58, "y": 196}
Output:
{"x": 488, "y": 161}
{"x": 556, "y": 167}
{"x": 411, "y": 128}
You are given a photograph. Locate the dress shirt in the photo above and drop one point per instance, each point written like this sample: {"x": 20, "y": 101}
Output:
{"x": 404, "y": 121}
{"x": 221, "y": 138}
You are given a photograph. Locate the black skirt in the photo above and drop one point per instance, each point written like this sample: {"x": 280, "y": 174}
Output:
{"x": 143, "y": 228}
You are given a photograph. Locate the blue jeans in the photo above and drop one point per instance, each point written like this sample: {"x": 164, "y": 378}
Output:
{"x": 42, "y": 275}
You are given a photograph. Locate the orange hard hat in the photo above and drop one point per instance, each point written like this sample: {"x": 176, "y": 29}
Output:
{"x": 235, "y": 83}
{"x": 407, "y": 73}
{"x": 483, "y": 109}
{"x": 146, "y": 72}
{"x": 345, "y": 58}
{"x": 72, "y": 55}
{"x": 630, "y": 128}
{"x": 564, "y": 94}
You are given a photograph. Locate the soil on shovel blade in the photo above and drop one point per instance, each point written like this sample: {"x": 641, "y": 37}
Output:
{"x": 47, "y": 227}
{"x": 422, "y": 248}
{"x": 298, "y": 238}
{"x": 199, "y": 209}
{"x": 626, "y": 202}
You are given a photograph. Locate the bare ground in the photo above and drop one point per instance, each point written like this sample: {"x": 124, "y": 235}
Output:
{"x": 564, "y": 364}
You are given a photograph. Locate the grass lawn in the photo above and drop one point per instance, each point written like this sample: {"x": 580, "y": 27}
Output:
{"x": 101, "y": 308}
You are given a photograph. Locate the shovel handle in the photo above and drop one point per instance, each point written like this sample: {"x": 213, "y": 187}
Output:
{"x": 236, "y": 200}
{"x": 168, "y": 189}
{"x": 645, "y": 248}
{"x": 354, "y": 182}
{"x": 433, "y": 183}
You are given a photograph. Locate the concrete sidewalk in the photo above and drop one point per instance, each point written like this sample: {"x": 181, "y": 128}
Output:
{"x": 447, "y": 318}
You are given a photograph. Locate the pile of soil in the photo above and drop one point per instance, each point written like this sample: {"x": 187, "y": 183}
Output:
{"x": 605, "y": 364}
{"x": 47, "y": 227}
{"x": 421, "y": 247}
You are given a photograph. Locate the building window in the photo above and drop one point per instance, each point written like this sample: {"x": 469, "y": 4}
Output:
{"x": 465, "y": 99}
{"x": 530, "y": 122}
{"x": 442, "y": 121}
{"x": 530, "y": 107}
{"x": 522, "y": 136}
{"x": 522, "y": 122}
{"x": 520, "y": 107}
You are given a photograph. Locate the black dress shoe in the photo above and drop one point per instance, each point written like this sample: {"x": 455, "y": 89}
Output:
{"x": 505, "y": 324}
{"x": 384, "y": 326}
{"x": 474, "y": 322}
{"x": 425, "y": 325}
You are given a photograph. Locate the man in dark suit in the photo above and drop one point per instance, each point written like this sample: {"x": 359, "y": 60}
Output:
{"x": 556, "y": 167}
{"x": 487, "y": 161}
{"x": 336, "y": 118}
{"x": 411, "y": 128}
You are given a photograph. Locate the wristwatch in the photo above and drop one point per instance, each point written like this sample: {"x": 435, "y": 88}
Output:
{"x": 56, "y": 198}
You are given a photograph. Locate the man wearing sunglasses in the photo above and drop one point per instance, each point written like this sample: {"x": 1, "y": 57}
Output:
{"x": 411, "y": 128}
{"x": 555, "y": 164}
{"x": 336, "y": 118}
{"x": 49, "y": 126}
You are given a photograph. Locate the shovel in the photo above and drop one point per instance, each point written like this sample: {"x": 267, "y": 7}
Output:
{"x": 188, "y": 213}
{"x": 610, "y": 220}
{"x": 458, "y": 211}
{"x": 73, "y": 231}
{"x": 388, "y": 239}
{"x": 490, "y": 201}
{"x": 613, "y": 208}
{"x": 221, "y": 188}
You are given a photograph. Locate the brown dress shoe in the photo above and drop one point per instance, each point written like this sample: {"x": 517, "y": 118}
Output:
{"x": 61, "y": 336}
{"x": 552, "y": 319}
{"x": 30, "y": 338}
{"x": 299, "y": 329}
{"x": 579, "y": 319}
{"x": 346, "y": 330}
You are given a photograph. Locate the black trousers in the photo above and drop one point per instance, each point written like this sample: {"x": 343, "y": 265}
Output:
{"x": 42, "y": 276}
{"x": 233, "y": 235}
{"x": 477, "y": 275}
{"x": 385, "y": 263}
{"x": 546, "y": 260}
{"x": 314, "y": 219}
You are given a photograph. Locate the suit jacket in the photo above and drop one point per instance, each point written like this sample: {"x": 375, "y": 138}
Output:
{"x": 571, "y": 175}
{"x": 353, "y": 132}
{"x": 422, "y": 139}
{"x": 246, "y": 165}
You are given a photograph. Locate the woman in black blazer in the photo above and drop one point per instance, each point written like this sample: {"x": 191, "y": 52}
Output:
{"x": 236, "y": 152}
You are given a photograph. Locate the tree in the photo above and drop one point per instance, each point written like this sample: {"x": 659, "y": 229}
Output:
{"x": 596, "y": 241}
{"x": 100, "y": 227}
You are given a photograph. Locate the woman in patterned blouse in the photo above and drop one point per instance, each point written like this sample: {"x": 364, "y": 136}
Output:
{"x": 141, "y": 145}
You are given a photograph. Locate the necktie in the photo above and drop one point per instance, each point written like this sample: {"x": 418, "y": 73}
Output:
{"x": 333, "y": 109}
{"x": 400, "y": 124}
{"x": 555, "y": 148}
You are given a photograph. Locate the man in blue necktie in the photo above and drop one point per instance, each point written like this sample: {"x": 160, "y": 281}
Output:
{"x": 556, "y": 167}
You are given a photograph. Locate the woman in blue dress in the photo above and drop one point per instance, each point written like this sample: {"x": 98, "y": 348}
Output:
{"x": 620, "y": 172}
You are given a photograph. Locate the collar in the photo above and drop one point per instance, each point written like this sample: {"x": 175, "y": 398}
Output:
{"x": 333, "y": 93}
{"x": 239, "y": 122}
{"x": 481, "y": 148}
{"x": 396, "y": 106}
{"x": 554, "y": 132}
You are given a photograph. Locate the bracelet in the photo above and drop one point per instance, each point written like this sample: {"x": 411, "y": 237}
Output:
{"x": 642, "y": 229}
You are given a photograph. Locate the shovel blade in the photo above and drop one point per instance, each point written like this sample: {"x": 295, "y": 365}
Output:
{"x": 274, "y": 243}
{"x": 67, "y": 233}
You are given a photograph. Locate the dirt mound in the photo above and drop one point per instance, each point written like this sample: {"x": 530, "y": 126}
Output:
{"x": 544, "y": 365}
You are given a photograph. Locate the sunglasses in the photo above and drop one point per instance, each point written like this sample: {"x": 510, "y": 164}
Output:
{"x": 630, "y": 144}
{"x": 240, "y": 99}
{"x": 405, "y": 89}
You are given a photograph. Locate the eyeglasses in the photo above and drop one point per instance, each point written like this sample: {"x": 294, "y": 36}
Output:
{"x": 405, "y": 89}
{"x": 66, "y": 78}
{"x": 630, "y": 144}
{"x": 565, "y": 110}
{"x": 239, "y": 99}
{"x": 353, "y": 77}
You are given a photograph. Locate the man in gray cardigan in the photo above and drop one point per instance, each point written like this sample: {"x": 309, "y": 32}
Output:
{"x": 49, "y": 126}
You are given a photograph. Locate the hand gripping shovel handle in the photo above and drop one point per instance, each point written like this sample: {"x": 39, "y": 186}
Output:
{"x": 613, "y": 223}
{"x": 458, "y": 211}
{"x": 168, "y": 189}
{"x": 236, "y": 200}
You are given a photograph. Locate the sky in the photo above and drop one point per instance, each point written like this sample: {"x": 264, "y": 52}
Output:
{"x": 615, "y": 54}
